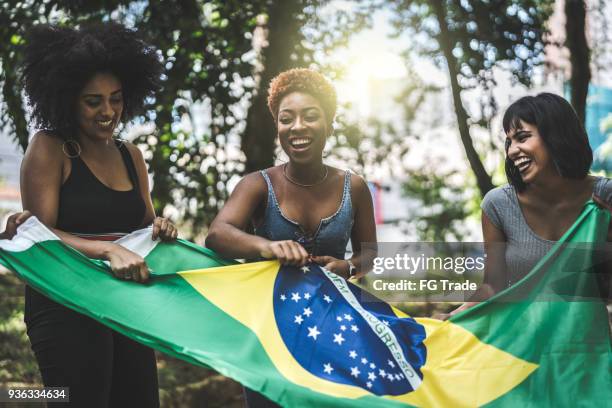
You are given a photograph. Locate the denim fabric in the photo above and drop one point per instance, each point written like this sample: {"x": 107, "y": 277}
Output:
{"x": 330, "y": 238}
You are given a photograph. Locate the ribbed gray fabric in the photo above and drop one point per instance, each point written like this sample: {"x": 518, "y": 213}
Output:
{"x": 523, "y": 247}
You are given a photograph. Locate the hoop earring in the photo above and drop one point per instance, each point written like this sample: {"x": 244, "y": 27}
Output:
{"x": 75, "y": 145}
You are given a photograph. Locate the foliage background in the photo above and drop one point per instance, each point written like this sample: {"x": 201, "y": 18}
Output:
{"x": 210, "y": 124}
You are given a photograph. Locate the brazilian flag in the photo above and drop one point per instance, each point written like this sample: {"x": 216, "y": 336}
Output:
{"x": 306, "y": 337}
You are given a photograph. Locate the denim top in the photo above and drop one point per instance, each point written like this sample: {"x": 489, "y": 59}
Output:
{"x": 330, "y": 238}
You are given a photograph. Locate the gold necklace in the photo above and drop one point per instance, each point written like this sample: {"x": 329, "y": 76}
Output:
{"x": 305, "y": 185}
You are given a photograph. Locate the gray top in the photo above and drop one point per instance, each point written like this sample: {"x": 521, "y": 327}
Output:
{"x": 523, "y": 247}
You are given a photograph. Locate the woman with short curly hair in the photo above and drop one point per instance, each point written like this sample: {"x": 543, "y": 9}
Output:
{"x": 90, "y": 188}
{"x": 302, "y": 210}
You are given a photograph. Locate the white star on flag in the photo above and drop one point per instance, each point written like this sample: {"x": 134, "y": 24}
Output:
{"x": 369, "y": 384}
{"x": 352, "y": 354}
{"x": 298, "y": 319}
{"x": 306, "y": 296}
{"x": 364, "y": 361}
{"x": 397, "y": 377}
{"x": 390, "y": 377}
{"x": 372, "y": 366}
{"x": 382, "y": 373}
{"x": 313, "y": 332}
{"x": 307, "y": 311}
{"x": 283, "y": 297}
{"x": 348, "y": 317}
{"x": 339, "y": 318}
{"x": 355, "y": 371}
{"x": 343, "y": 327}
{"x": 295, "y": 296}
{"x": 305, "y": 269}
{"x": 327, "y": 368}
{"x": 354, "y": 328}
{"x": 338, "y": 338}
{"x": 391, "y": 363}
{"x": 371, "y": 376}
{"x": 327, "y": 299}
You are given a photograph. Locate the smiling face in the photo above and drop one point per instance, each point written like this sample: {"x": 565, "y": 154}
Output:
{"x": 526, "y": 149}
{"x": 302, "y": 127}
{"x": 99, "y": 107}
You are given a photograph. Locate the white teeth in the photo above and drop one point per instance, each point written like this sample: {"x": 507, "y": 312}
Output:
{"x": 521, "y": 161}
{"x": 106, "y": 123}
{"x": 300, "y": 142}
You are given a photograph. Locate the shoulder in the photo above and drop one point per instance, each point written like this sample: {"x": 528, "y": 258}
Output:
{"x": 497, "y": 203}
{"x": 255, "y": 177}
{"x": 498, "y": 196}
{"x": 45, "y": 147}
{"x": 358, "y": 184}
{"x": 253, "y": 183}
{"x": 356, "y": 181}
{"x": 43, "y": 139}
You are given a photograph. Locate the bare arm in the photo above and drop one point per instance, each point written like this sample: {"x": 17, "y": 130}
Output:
{"x": 227, "y": 234}
{"x": 42, "y": 173}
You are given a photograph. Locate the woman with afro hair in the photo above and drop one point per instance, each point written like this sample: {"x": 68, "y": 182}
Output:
{"x": 90, "y": 188}
{"x": 302, "y": 210}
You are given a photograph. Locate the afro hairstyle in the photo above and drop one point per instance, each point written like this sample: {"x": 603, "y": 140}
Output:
{"x": 59, "y": 61}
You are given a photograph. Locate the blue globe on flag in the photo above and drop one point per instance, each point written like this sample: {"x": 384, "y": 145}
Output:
{"x": 340, "y": 333}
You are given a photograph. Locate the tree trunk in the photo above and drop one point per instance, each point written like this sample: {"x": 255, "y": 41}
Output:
{"x": 580, "y": 54}
{"x": 283, "y": 33}
{"x": 483, "y": 179}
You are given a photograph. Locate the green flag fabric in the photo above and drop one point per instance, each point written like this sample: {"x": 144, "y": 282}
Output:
{"x": 306, "y": 337}
{"x": 555, "y": 317}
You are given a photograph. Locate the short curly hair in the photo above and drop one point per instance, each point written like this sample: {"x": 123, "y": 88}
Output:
{"x": 302, "y": 80}
{"x": 59, "y": 61}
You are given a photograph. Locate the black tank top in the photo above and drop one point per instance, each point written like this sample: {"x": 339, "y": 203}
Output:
{"x": 92, "y": 210}
{"x": 88, "y": 207}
